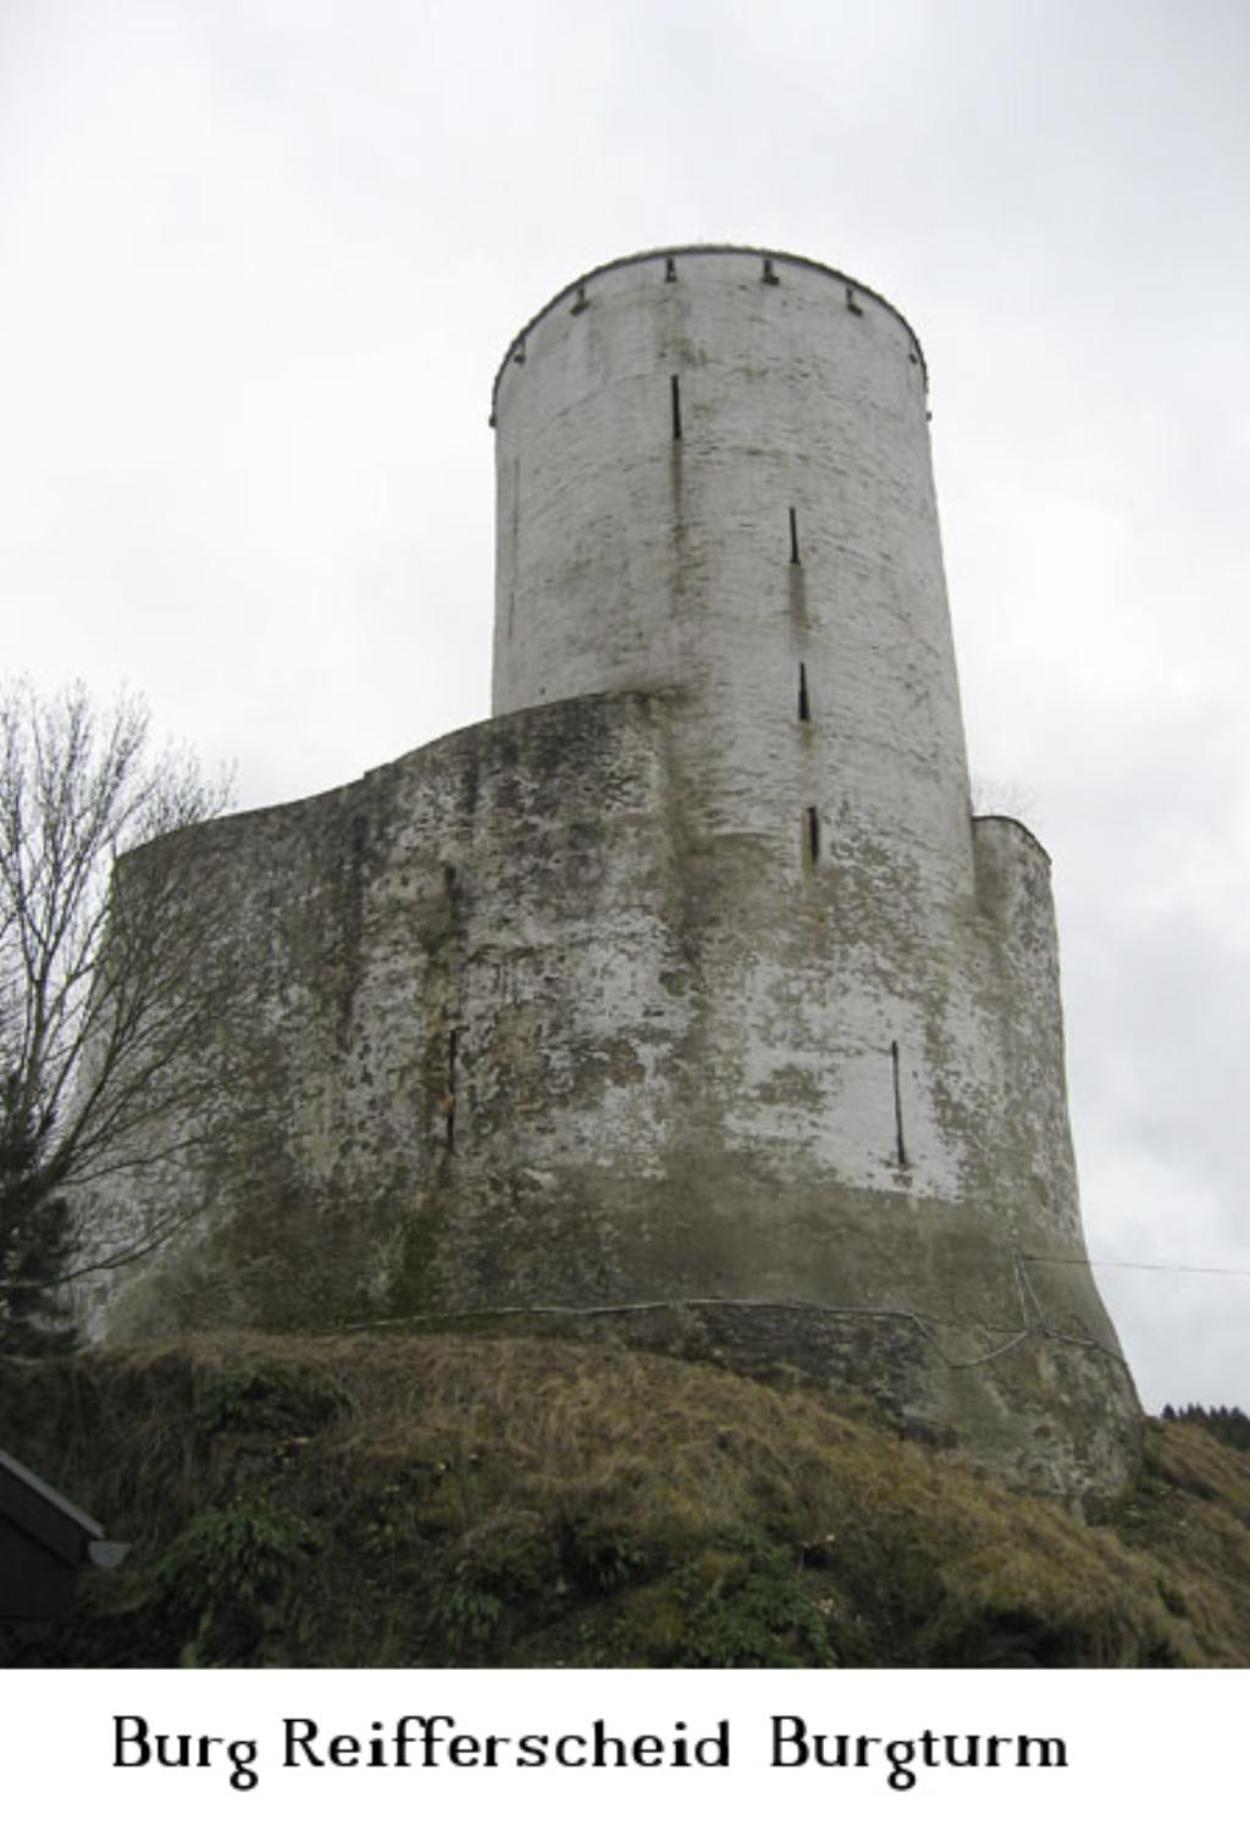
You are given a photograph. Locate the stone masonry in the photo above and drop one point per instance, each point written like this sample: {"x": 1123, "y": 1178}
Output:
{"x": 684, "y": 1000}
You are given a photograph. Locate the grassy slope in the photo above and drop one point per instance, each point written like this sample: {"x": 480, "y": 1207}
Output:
{"x": 428, "y": 1501}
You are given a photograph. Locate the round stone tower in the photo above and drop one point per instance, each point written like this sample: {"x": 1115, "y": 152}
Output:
{"x": 715, "y": 490}
{"x": 683, "y": 999}
{"x": 714, "y": 478}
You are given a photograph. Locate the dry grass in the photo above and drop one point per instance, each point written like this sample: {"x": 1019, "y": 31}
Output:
{"x": 383, "y": 1500}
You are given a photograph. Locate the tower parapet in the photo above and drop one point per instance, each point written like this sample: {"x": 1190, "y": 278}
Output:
{"x": 683, "y": 999}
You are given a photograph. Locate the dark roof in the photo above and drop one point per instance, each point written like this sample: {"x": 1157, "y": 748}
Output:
{"x": 36, "y": 1507}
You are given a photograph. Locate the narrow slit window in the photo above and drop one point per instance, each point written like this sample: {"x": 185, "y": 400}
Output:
{"x": 794, "y": 537}
{"x": 581, "y": 302}
{"x": 811, "y": 834}
{"x": 675, "y": 385}
{"x": 769, "y": 275}
{"x": 670, "y": 268}
{"x": 900, "y": 1147}
{"x": 853, "y": 304}
{"x": 449, "y": 1097}
{"x": 805, "y": 709}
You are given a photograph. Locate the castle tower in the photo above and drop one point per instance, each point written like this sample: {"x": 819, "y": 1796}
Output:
{"x": 715, "y": 487}
{"x": 714, "y": 484}
{"x": 684, "y": 999}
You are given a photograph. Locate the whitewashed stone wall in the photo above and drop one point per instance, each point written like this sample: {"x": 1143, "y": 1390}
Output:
{"x": 580, "y": 1017}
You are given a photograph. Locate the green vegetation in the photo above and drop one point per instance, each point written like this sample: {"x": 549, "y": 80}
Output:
{"x": 1228, "y": 1423}
{"x": 501, "y": 1501}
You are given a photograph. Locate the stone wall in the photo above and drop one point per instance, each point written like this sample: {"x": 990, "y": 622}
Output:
{"x": 683, "y": 999}
{"x": 516, "y": 1047}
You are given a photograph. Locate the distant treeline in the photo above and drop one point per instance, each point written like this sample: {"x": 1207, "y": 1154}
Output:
{"x": 1227, "y": 1422}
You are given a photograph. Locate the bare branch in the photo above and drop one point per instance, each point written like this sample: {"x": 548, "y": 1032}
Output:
{"x": 104, "y": 996}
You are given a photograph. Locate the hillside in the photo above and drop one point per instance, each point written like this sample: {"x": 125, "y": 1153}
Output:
{"x": 496, "y": 1501}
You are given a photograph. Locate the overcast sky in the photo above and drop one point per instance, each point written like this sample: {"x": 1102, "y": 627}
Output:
{"x": 258, "y": 263}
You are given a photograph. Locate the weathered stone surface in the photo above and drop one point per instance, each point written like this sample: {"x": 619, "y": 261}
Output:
{"x": 684, "y": 998}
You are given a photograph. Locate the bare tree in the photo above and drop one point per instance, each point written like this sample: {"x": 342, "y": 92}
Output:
{"x": 104, "y": 996}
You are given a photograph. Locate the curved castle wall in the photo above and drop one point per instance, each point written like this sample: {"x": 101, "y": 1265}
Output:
{"x": 684, "y": 997}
